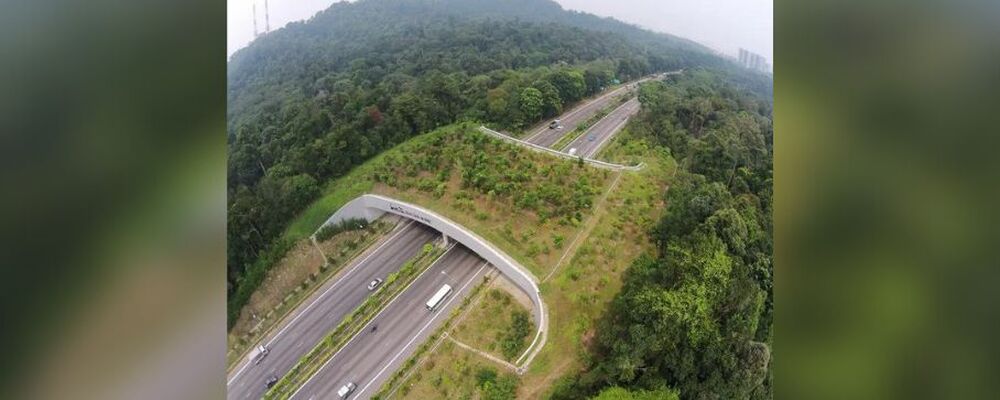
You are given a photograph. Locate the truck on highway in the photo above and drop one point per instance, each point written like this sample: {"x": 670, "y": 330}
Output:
{"x": 257, "y": 354}
{"x": 346, "y": 390}
{"x": 438, "y": 297}
{"x": 572, "y": 151}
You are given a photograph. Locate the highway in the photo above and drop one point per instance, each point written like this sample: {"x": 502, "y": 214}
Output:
{"x": 324, "y": 310}
{"x": 571, "y": 119}
{"x": 371, "y": 357}
{"x": 590, "y": 142}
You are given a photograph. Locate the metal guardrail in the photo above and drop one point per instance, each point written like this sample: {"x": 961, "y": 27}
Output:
{"x": 557, "y": 153}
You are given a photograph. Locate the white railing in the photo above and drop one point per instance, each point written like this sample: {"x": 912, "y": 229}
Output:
{"x": 557, "y": 153}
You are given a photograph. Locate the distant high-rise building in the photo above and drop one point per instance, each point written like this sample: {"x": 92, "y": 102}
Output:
{"x": 753, "y": 61}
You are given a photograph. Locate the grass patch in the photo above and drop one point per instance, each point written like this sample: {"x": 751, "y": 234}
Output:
{"x": 491, "y": 326}
{"x": 455, "y": 373}
{"x": 449, "y": 365}
{"x": 326, "y": 348}
{"x": 578, "y": 294}
{"x": 625, "y": 148}
{"x": 492, "y": 187}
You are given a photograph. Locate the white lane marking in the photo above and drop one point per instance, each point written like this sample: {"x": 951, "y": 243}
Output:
{"x": 364, "y": 328}
{"x": 575, "y": 111}
{"x": 584, "y": 134}
{"x": 580, "y": 108}
{"x": 321, "y": 296}
{"x": 436, "y": 315}
{"x": 608, "y": 137}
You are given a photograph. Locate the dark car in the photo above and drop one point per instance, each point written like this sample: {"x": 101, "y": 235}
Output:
{"x": 271, "y": 381}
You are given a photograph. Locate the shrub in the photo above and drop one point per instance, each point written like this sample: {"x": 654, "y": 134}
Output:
{"x": 328, "y": 231}
{"x": 486, "y": 375}
{"x": 512, "y": 340}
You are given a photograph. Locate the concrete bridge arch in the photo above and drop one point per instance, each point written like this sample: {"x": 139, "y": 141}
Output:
{"x": 372, "y": 206}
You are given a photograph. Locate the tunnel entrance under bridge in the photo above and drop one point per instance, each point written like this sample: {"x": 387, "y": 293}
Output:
{"x": 372, "y": 206}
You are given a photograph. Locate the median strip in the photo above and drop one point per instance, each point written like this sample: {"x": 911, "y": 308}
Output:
{"x": 328, "y": 347}
{"x": 583, "y": 127}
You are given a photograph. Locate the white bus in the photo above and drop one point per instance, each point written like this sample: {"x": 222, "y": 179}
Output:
{"x": 438, "y": 297}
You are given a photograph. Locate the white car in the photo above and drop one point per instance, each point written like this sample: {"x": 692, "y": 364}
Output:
{"x": 374, "y": 284}
{"x": 347, "y": 389}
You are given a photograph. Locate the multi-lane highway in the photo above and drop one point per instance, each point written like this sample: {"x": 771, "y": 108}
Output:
{"x": 590, "y": 142}
{"x": 544, "y": 136}
{"x": 370, "y": 357}
{"x": 571, "y": 119}
{"x": 324, "y": 310}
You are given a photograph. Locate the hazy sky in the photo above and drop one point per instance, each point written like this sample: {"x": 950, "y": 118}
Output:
{"x": 724, "y": 25}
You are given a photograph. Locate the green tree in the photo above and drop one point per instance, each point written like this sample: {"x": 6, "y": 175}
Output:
{"x": 531, "y": 103}
{"x": 697, "y": 317}
{"x": 571, "y": 84}
{"x": 618, "y": 393}
{"x": 551, "y": 102}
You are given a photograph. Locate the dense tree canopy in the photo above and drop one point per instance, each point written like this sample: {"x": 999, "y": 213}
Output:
{"x": 696, "y": 317}
{"x": 308, "y": 102}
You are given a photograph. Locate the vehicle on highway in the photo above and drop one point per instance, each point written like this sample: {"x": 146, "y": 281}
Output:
{"x": 374, "y": 284}
{"x": 258, "y": 353}
{"x": 374, "y": 328}
{"x": 554, "y": 124}
{"x": 572, "y": 151}
{"x": 591, "y": 138}
{"x": 438, "y": 297}
{"x": 271, "y": 381}
{"x": 347, "y": 389}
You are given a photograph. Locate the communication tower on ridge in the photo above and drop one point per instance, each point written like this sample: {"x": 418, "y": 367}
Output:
{"x": 267, "y": 19}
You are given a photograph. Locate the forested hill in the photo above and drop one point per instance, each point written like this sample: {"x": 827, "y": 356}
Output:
{"x": 310, "y": 101}
{"x": 376, "y": 30}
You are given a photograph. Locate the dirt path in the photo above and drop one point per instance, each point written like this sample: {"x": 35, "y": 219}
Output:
{"x": 481, "y": 353}
{"x": 587, "y": 228}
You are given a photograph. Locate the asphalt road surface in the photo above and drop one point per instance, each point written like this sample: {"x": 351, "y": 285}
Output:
{"x": 571, "y": 119}
{"x": 590, "y": 142}
{"x": 371, "y": 357}
{"x": 325, "y": 309}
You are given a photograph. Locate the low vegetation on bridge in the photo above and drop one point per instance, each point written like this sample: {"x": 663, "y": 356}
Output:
{"x": 524, "y": 202}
